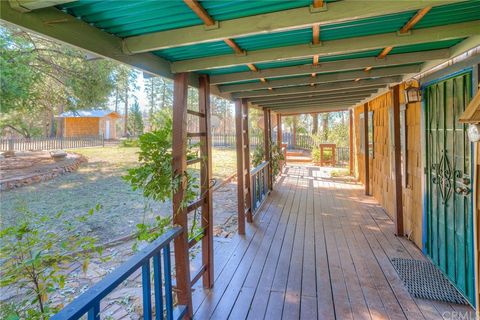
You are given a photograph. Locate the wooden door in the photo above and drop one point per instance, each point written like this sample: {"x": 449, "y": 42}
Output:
{"x": 449, "y": 218}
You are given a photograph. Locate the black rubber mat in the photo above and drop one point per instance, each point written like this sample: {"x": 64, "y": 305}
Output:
{"x": 425, "y": 281}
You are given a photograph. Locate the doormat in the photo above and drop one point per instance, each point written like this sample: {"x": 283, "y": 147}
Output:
{"x": 425, "y": 281}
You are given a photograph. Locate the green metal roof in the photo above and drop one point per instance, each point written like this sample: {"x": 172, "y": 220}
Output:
{"x": 136, "y": 17}
{"x": 460, "y": 12}
{"x": 362, "y": 54}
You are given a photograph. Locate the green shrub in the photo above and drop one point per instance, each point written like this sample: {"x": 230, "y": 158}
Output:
{"x": 129, "y": 143}
{"x": 258, "y": 155}
{"x": 36, "y": 258}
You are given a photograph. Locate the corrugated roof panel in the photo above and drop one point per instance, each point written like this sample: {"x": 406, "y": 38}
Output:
{"x": 283, "y": 63}
{"x": 135, "y": 17}
{"x": 425, "y": 46}
{"x": 233, "y": 9}
{"x": 365, "y": 27}
{"x": 451, "y": 13}
{"x": 353, "y": 55}
{"x": 276, "y": 39}
{"x": 129, "y": 18}
{"x": 200, "y": 50}
{"x": 226, "y": 70}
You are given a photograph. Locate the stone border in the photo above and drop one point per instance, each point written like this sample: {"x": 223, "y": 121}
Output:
{"x": 70, "y": 165}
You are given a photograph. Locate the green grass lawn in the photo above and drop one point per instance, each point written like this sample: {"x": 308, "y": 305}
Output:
{"x": 99, "y": 181}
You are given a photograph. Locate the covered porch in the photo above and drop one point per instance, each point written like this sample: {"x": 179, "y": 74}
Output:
{"x": 308, "y": 246}
{"x": 319, "y": 249}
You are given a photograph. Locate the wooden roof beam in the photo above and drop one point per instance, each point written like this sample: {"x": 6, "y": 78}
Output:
{"x": 333, "y": 47}
{"x": 200, "y": 12}
{"x": 323, "y": 87}
{"x": 315, "y": 106}
{"x": 79, "y": 34}
{"x": 406, "y": 28}
{"x": 415, "y": 19}
{"x": 30, "y": 5}
{"x": 307, "y": 98}
{"x": 341, "y": 65}
{"x": 310, "y": 109}
{"x": 331, "y": 77}
{"x": 281, "y": 98}
{"x": 314, "y": 100}
{"x": 338, "y": 11}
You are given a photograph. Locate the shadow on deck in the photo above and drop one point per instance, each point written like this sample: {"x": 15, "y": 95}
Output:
{"x": 319, "y": 249}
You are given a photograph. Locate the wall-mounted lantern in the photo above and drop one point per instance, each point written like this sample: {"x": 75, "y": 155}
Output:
{"x": 412, "y": 94}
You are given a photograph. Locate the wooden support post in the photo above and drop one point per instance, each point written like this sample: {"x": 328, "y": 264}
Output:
{"x": 350, "y": 117}
{"x": 246, "y": 162}
{"x": 279, "y": 130}
{"x": 240, "y": 167}
{"x": 179, "y": 165}
{"x": 205, "y": 178}
{"x": 294, "y": 137}
{"x": 266, "y": 143}
{"x": 365, "y": 134}
{"x": 397, "y": 160}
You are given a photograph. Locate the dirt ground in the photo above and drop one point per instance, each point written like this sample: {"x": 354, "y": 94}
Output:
{"x": 100, "y": 182}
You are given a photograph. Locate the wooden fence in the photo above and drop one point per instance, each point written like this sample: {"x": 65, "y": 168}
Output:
{"x": 35, "y": 144}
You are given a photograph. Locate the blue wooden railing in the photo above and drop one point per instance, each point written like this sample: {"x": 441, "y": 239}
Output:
{"x": 89, "y": 301}
{"x": 259, "y": 181}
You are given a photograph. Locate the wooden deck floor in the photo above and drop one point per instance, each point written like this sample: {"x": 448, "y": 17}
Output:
{"x": 319, "y": 249}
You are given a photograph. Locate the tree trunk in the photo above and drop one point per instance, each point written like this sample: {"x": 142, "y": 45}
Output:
{"x": 116, "y": 98}
{"x": 60, "y": 122}
{"x": 325, "y": 126}
{"x": 125, "y": 124}
{"x": 315, "y": 123}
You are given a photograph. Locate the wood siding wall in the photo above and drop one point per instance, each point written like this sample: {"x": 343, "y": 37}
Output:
{"x": 86, "y": 126}
{"x": 75, "y": 127}
{"x": 381, "y": 170}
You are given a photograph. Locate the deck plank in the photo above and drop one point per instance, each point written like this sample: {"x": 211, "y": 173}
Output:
{"x": 318, "y": 249}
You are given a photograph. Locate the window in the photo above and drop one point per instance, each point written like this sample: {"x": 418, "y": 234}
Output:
{"x": 370, "y": 134}
{"x": 403, "y": 144}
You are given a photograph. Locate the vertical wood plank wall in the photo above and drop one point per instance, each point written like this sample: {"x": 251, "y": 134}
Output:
{"x": 381, "y": 173}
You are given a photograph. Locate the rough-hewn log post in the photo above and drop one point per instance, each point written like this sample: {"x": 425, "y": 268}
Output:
{"x": 365, "y": 142}
{"x": 206, "y": 177}
{"x": 179, "y": 145}
{"x": 350, "y": 150}
{"x": 240, "y": 167}
{"x": 397, "y": 162}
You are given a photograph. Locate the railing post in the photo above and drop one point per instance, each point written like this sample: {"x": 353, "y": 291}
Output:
{"x": 206, "y": 177}
{"x": 179, "y": 166}
{"x": 240, "y": 167}
{"x": 268, "y": 155}
{"x": 246, "y": 157}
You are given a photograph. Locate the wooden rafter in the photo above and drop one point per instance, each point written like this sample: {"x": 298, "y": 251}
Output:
{"x": 317, "y": 3}
{"x": 415, "y": 19}
{"x": 232, "y": 44}
{"x": 200, "y": 12}
{"x": 316, "y": 34}
{"x": 384, "y": 52}
{"x": 407, "y": 27}
{"x": 252, "y": 67}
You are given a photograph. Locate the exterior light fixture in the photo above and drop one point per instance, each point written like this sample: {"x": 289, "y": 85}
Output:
{"x": 412, "y": 94}
{"x": 474, "y": 132}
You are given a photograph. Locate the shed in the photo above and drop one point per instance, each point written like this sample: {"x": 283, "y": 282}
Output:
{"x": 90, "y": 123}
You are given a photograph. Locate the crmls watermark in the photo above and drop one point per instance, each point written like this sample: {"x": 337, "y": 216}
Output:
{"x": 459, "y": 315}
